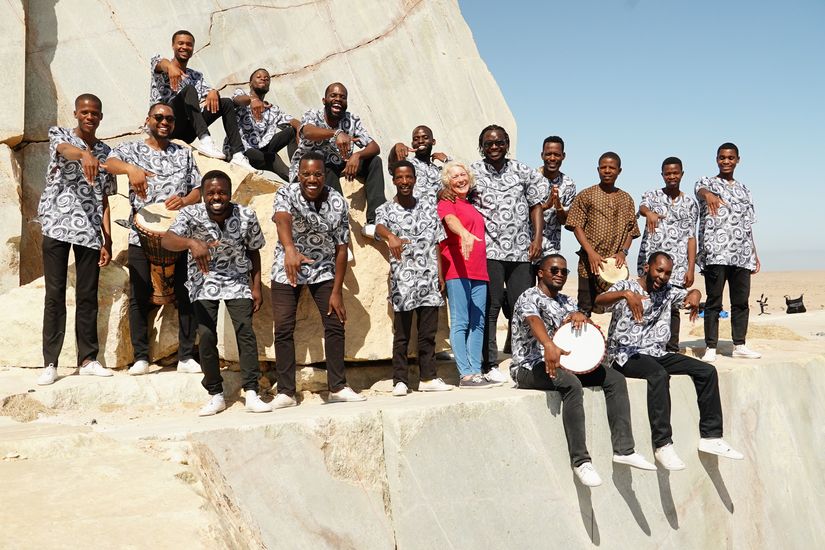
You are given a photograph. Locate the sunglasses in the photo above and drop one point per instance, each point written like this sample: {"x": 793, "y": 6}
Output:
{"x": 498, "y": 143}
{"x": 168, "y": 118}
{"x": 556, "y": 270}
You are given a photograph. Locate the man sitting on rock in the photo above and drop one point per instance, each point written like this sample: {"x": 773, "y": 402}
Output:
{"x": 194, "y": 103}
{"x": 74, "y": 214}
{"x": 427, "y": 172}
{"x": 334, "y": 132}
{"x": 538, "y": 313}
{"x": 260, "y": 125}
{"x": 313, "y": 231}
{"x": 224, "y": 241}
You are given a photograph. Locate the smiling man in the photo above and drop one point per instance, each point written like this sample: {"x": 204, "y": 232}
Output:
{"x": 561, "y": 192}
{"x": 427, "y": 172}
{"x": 639, "y": 331}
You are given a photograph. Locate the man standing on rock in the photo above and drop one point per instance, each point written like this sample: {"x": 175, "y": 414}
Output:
{"x": 727, "y": 252}
{"x": 334, "y": 132}
{"x": 427, "y": 172}
{"x": 313, "y": 231}
{"x": 561, "y": 192}
{"x": 159, "y": 171}
{"x": 194, "y": 103}
{"x": 74, "y": 214}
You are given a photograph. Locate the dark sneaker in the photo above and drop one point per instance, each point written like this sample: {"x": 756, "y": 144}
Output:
{"x": 475, "y": 382}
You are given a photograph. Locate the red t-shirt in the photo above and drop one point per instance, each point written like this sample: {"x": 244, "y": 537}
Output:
{"x": 453, "y": 263}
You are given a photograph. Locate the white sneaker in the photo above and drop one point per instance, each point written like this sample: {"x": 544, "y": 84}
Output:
{"x": 368, "y": 230}
{"x": 400, "y": 390}
{"x": 634, "y": 459}
{"x": 207, "y": 147}
{"x": 141, "y": 366}
{"x": 588, "y": 475}
{"x": 48, "y": 376}
{"x": 93, "y": 368}
{"x": 254, "y": 403}
{"x": 667, "y": 457}
{"x": 215, "y": 405}
{"x": 495, "y": 376}
{"x": 189, "y": 366}
{"x": 239, "y": 159}
{"x": 743, "y": 352}
{"x": 345, "y": 395}
{"x": 283, "y": 401}
{"x": 436, "y": 384}
{"x": 718, "y": 446}
{"x": 709, "y": 356}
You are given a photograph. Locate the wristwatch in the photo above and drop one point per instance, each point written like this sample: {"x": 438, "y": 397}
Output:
{"x": 624, "y": 251}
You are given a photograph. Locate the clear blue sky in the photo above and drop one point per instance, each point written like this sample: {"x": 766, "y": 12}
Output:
{"x": 654, "y": 78}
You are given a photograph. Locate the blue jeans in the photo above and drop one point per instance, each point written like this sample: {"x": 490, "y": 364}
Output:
{"x": 467, "y": 299}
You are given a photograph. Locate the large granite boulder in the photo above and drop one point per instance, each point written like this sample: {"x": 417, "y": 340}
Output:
{"x": 10, "y": 220}
{"x": 13, "y": 61}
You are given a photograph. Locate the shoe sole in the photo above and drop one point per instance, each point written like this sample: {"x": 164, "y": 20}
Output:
{"x": 438, "y": 389}
{"x": 210, "y": 155}
{"x": 738, "y": 356}
{"x": 346, "y": 400}
{"x": 95, "y": 374}
{"x": 212, "y": 413}
{"x": 484, "y": 387}
{"x": 276, "y": 407}
{"x": 723, "y": 455}
{"x": 249, "y": 410}
{"x": 669, "y": 468}
{"x": 637, "y": 466}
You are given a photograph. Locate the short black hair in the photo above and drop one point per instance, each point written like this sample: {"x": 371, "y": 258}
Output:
{"x": 312, "y": 155}
{"x": 216, "y": 175}
{"x": 326, "y": 90}
{"x": 153, "y": 106}
{"x": 611, "y": 155}
{"x": 423, "y": 127}
{"x": 490, "y": 128}
{"x": 727, "y": 145}
{"x": 88, "y": 97}
{"x": 549, "y": 257}
{"x": 255, "y": 71}
{"x": 655, "y": 256}
{"x": 672, "y": 160}
{"x": 396, "y": 165}
{"x": 183, "y": 31}
{"x": 553, "y": 139}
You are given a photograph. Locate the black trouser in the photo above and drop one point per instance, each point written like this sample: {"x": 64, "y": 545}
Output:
{"x": 427, "y": 325}
{"x": 240, "y": 311}
{"x": 570, "y": 385}
{"x": 264, "y": 158}
{"x": 739, "y": 289}
{"x": 516, "y": 277}
{"x": 140, "y": 294}
{"x": 55, "y": 269}
{"x": 657, "y": 371}
{"x": 587, "y": 294}
{"x": 284, "y": 308}
{"x": 372, "y": 172}
{"x": 672, "y": 345}
{"x": 192, "y": 122}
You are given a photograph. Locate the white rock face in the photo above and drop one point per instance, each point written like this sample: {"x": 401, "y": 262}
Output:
{"x": 10, "y": 220}
{"x": 13, "y": 61}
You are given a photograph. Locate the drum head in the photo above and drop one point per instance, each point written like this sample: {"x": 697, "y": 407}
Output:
{"x": 155, "y": 217}
{"x": 610, "y": 274}
{"x": 586, "y": 347}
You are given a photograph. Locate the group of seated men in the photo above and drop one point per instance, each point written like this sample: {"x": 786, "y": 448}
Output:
{"x": 523, "y": 211}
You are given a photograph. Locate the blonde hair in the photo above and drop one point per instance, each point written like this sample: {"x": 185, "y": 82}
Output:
{"x": 445, "y": 177}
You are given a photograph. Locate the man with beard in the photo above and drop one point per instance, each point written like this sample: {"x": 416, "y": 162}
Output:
{"x": 427, "y": 172}
{"x": 159, "y": 171}
{"x": 639, "y": 330}
{"x": 194, "y": 103}
{"x": 260, "y": 125}
{"x": 537, "y": 315}
{"x": 562, "y": 192}
{"x": 333, "y": 132}
{"x": 671, "y": 227}
{"x": 313, "y": 231}
{"x": 224, "y": 241}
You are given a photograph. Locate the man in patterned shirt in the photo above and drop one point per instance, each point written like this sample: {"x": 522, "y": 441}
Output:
{"x": 538, "y": 313}
{"x": 412, "y": 234}
{"x": 603, "y": 218}
{"x": 639, "y": 329}
{"x": 333, "y": 132}
{"x": 159, "y": 171}
{"x": 727, "y": 252}
{"x": 224, "y": 241}
{"x": 427, "y": 172}
{"x": 671, "y": 227}
{"x": 313, "y": 231}
{"x": 260, "y": 124}
{"x": 562, "y": 191}
{"x": 74, "y": 214}
{"x": 195, "y": 104}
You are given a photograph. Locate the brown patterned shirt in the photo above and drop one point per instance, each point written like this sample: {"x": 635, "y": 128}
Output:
{"x": 606, "y": 218}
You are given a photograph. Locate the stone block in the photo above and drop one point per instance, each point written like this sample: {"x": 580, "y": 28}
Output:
{"x": 13, "y": 61}
{"x": 10, "y": 219}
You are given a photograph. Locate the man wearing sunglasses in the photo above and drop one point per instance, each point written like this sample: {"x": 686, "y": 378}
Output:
{"x": 538, "y": 313}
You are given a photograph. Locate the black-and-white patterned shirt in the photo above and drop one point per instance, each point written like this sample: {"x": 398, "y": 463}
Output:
{"x": 727, "y": 237}
{"x": 677, "y": 225}
{"x": 350, "y": 124}
{"x": 71, "y": 209}
{"x": 427, "y": 180}
{"x": 551, "y": 239}
{"x": 413, "y": 278}
{"x": 527, "y": 352}
{"x": 504, "y": 200}
{"x": 174, "y": 169}
{"x": 255, "y": 134}
{"x": 161, "y": 90}
{"x": 229, "y": 266}
{"x": 626, "y": 337}
{"x": 316, "y": 234}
